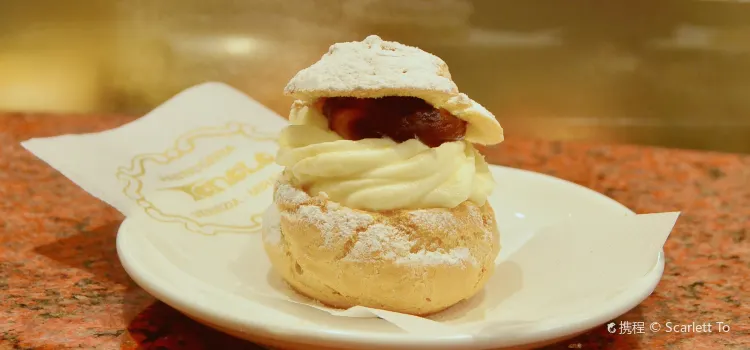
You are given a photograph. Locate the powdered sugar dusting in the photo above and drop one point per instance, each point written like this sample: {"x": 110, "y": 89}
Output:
{"x": 334, "y": 223}
{"x": 372, "y": 64}
{"x": 475, "y": 216}
{"x": 434, "y": 220}
{"x": 379, "y": 241}
{"x": 456, "y": 256}
{"x": 289, "y": 194}
{"x": 271, "y": 225}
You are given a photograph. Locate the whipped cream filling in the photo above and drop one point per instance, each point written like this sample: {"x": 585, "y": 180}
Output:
{"x": 380, "y": 174}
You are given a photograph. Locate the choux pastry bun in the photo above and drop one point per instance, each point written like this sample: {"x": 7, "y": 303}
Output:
{"x": 383, "y": 199}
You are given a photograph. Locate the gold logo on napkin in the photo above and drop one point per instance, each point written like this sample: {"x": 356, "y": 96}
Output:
{"x": 213, "y": 179}
{"x": 203, "y": 189}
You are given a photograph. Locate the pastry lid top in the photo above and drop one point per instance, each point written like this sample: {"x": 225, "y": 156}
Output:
{"x": 375, "y": 68}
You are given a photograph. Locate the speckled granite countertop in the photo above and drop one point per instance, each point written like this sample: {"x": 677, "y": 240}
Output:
{"x": 62, "y": 286}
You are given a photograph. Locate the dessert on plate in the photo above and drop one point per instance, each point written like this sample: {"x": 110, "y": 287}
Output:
{"x": 383, "y": 198}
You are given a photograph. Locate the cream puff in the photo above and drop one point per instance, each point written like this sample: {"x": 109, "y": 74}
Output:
{"x": 383, "y": 199}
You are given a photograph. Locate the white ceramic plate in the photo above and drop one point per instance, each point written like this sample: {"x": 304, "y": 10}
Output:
{"x": 202, "y": 277}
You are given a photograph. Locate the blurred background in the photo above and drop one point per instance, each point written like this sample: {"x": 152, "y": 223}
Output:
{"x": 669, "y": 73}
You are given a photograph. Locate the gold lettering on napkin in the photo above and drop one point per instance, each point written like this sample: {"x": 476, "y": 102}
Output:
{"x": 207, "y": 188}
{"x": 214, "y": 179}
{"x": 202, "y": 165}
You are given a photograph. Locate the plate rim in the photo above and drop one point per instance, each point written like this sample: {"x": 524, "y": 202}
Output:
{"x": 187, "y": 304}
